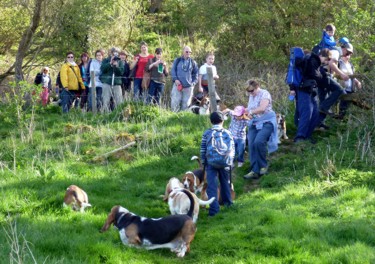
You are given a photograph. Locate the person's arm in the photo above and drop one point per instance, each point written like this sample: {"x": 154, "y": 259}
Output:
{"x": 174, "y": 72}
{"x": 200, "y": 88}
{"x": 334, "y": 68}
{"x": 64, "y": 76}
{"x": 194, "y": 73}
{"x": 79, "y": 78}
{"x": 260, "y": 109}
{"x": 203, "y": 149}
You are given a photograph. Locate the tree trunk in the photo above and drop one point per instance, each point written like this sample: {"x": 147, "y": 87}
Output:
{"x": 26, "y": 39}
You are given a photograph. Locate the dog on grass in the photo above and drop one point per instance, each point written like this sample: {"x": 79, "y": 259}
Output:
{"x": 175, "y": 231}
{"x": 281, "y": 127}
{"x": 76, "y": 198}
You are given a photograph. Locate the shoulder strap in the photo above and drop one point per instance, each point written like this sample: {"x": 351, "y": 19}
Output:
{"x": 71, "y": 67}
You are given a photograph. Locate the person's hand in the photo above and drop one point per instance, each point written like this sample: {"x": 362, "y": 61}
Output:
{"x": 200, "y": 89}
{"x": 358, "y": 83}
{"x": 292, "y": 92}
{"x": 177, "y": 82}
{"x": 216, "y": 77}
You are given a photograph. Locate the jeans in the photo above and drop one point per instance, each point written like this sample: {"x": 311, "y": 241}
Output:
{"x": 138, "y": 91}
{"x": 239, "y": 144}
{"x": 180, "y": 100}
{"x": 333, "y": 89}
{"x": 212, "y": 185}
{"x": 155, "y": 92}
{"x": 258, "y": 140}
{"x": 67, "y": 98}
{"x": 308, "y": 115}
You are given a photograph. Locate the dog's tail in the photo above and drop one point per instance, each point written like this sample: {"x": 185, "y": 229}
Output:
{"x": 192, "y": 202}
{"x": 199, "y": 161}
{"x": 201, "y": 202}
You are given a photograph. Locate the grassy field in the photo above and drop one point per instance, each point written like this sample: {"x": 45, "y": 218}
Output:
{"x": 316, "y": 205}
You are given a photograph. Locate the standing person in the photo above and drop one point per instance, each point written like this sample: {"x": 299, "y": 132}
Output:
{"x": 44, "y": 79}
{"x": 237, "y": 127}
{"x": 349, "y": 85}
{"x": 126, "y": 81}
{"x": 210, "y": 159}
{"x": 84, "y": 68}
{"x": 95, "y": 67}
{"x": 308, "y": 115}
{"x": 262, "y": 133}
{"x": 112, "y": 69}
{"x": 203, "y": 76}
{"x": 71, "y": 80}
{"x": 140, "y": 62}
{"x": 184, "y": 76}
{"x": 158, "y": 73}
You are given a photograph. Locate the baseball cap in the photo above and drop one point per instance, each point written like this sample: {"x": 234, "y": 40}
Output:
{"x": 348, "y": 47}
{"x": 343, "y": 40}
{"x": 238, "y": 110}
{"x": 216, "y": 117}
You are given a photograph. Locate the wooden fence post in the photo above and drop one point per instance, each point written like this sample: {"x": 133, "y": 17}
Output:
{"x": 93, "y": 92}
{"x": 211, "y": 89}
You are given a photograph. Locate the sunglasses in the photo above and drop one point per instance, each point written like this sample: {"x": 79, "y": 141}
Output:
{"x": 250, "y": 91}
{"x": 348, "y": 54}
{"x": 187, "y": 51}
{"x": 70, "y": 57}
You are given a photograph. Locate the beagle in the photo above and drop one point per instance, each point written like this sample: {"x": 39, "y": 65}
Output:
{"x": 195, "y": 181}
{"x": 180, "y": 201}
{"x": 77, "y": 198}
{"x": 175, "y": 231}
{"x": 281, "y": 127}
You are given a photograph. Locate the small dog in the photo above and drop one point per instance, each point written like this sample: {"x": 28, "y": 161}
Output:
{"x": 175, "y": 231}
{"x": 281, "y": 127}
{"x": 181, "y": 201}
{"x": 77, "y": 198}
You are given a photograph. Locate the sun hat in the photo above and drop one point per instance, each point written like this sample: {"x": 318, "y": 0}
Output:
{"x": 348, "y": 47}
{"x": 239, "y": 110}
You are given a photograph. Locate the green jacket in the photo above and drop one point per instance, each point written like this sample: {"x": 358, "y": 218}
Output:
{"x": 107, "y": 71}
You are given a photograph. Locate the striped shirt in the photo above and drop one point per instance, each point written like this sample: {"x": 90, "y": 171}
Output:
{"x": 238, "y": 127}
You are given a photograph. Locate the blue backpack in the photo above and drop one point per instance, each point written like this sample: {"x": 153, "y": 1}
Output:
{"x": 296, "y": 67}
{"x": 220, "y": 148}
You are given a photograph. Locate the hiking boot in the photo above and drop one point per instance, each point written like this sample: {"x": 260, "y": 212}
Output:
{"x": 252, "y": 176}
{"x": 323, "y": 127}
{"x": 263, "y": 171}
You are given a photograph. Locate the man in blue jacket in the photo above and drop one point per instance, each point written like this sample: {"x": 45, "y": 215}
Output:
{"x": 184, "y": 76}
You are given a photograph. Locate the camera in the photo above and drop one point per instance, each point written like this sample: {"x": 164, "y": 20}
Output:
{"x": 116, "y": 56}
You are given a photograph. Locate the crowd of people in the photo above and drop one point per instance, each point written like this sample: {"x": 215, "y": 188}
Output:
{"x": 115, "y": 76}
{"x": 327, "y": 75}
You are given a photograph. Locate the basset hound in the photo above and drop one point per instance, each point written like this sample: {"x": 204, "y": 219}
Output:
{"x": 77, "y": 198}
{"x": 181, "y": 201}
{"x": 175, "y": 231}
{"x": 202, "y": 107}
{"x": 281, "y": 127}
{"x": 172, "y": 184}
{"x": 195, "y": 181}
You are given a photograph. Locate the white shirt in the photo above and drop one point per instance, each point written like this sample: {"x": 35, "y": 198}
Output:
{"x": 203, "y": 71}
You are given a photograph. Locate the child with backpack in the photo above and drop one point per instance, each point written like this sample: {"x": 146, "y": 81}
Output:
{"x": 217, "y": 154}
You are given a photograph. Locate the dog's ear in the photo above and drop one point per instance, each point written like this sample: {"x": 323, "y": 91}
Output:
{"x": 110, "y": 220}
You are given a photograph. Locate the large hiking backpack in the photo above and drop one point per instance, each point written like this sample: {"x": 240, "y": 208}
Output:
{"x": 296, "y": 67}
{"x": 220, "y": 148}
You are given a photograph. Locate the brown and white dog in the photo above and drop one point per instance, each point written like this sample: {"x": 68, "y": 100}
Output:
{"x": 195, "y": 181}
{"x": 202, "y": 107}
{"x": 77, "y": 198}
{"x": 281, "y": 127}
{"x": 175, "y": 231}
{"x": 180, "y": 201}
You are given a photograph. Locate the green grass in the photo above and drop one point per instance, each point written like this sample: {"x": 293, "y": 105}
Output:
{"x": 316, "y": 205}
